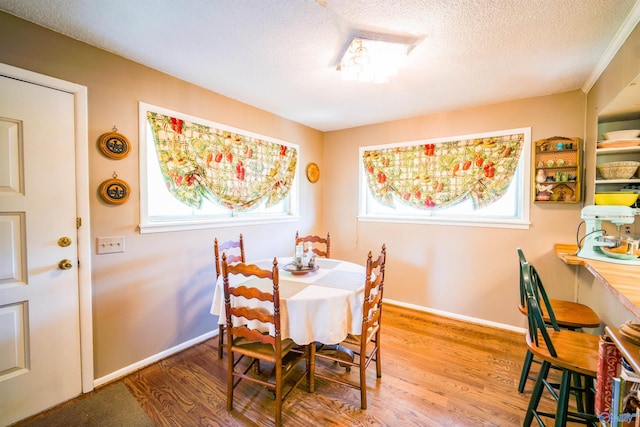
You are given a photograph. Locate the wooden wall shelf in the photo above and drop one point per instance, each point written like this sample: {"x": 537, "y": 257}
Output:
{"x": 557, "y": 170}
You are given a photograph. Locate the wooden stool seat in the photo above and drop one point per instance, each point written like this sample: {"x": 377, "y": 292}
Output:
{"x": 576, "y": 351}
{"x": 569, "y": 314}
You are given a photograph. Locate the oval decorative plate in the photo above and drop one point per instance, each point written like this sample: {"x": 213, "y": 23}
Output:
{"x": 114, "y": 145}
{"x": 313, "y": 172}
{"x": 114, "y": 191}
{"x": 291, "y": 268}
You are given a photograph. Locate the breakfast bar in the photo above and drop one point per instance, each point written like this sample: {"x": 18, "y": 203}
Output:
{"x": 622, "y": 281}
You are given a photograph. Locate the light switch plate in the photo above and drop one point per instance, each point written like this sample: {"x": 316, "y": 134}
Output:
{"x": 110, "y": 244}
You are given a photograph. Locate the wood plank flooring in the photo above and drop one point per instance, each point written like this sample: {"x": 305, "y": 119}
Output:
{"x": 436, "y": 372}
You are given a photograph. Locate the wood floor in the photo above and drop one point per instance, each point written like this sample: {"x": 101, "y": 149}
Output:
{"x": 436, "y": 372}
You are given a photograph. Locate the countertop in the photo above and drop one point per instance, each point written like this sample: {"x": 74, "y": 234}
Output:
{"x": 623, "y": 281}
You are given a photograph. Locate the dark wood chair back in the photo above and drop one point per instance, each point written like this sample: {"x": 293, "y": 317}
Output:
{"x": 234, "y": 252}
{"x": 234, "y": 249}
{"x": 241, "y": 309}
{"x": 537, "y": 325}
{"x": 373, "y": 291}
{"x": 317, "y": 241}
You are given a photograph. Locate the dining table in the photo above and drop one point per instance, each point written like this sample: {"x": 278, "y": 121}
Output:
{"x": 322, "y": 306}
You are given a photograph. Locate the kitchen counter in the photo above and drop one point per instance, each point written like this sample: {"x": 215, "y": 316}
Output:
{"x": 623, "y": 281}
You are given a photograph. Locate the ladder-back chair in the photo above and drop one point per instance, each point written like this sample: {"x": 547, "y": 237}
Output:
{"x": 252, "y": 310}
{"x": 365, "y": 346}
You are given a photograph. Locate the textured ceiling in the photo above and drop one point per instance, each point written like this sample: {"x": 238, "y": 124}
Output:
{"x": 281, "y": 55}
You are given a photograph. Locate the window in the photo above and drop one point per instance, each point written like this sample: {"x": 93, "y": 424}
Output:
{"x": 470, "y": 180}
{"x": 172, "y": 200}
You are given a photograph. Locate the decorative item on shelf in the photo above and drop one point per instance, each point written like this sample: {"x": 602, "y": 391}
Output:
{"x": 618, "y": 170}
{"x": 313, "y": 172}
{"x": 620, "y": 198}
{"x": 540, "y": 176}
{"x": 114, "y": 145}
{"x": 114, "y": 191}
{"x": 622, "y": 134}
{"x": 543, "y": 192}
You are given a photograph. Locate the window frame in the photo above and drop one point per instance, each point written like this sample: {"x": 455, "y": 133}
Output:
{"x": 190, "y": 222}
{"x": 522, "y": 199}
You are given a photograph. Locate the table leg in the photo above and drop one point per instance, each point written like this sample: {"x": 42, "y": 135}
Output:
{"x": 338, "y": 352}
{"x": 311, "y": 366}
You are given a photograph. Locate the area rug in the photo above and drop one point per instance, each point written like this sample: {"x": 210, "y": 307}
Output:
{"x": 108, "y": 407}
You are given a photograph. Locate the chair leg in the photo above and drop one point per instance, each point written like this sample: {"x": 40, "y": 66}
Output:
{"x": 378, "y": 360}
{"x": 563, "y": 399}
{"x": 230, "y": 380}
{"x": 221, "y": 329}
{"x": 536, "y": 394}
{"x": 577, "y": 383}
{"x": 363, "y": 378}
{"x": 526, "y": 367}
{"x": 589, "y": 398}
{"x": 278, "y": 390}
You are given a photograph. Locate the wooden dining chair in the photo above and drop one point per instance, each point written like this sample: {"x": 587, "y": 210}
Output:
{"x": 325, "y": 251}
{"x": 253, "y": 331}
{"x": 365, "y": 346}
{"x": 574, "y": 353}
{"x": 568, "y": 315}
{"x": 234, "y": 249}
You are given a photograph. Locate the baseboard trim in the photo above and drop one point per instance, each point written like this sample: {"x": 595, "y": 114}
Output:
{"x": 456, "y": 316}
{"x": 183, "y": 346}
{"x": 153, "y": 359}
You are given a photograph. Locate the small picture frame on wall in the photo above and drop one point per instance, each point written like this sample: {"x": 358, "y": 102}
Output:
{"x": 313, "y": 172}
{"x": 115, "y": 191}
{"x": 114, "y": 145}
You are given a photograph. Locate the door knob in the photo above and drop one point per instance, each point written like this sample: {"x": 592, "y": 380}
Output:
{"x": 65, "y": 264}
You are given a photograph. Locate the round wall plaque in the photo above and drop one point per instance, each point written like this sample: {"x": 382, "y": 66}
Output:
{"x": 313, "y": 172}
{"x": 114, "y": 145}
{"x": 114, "y": 191}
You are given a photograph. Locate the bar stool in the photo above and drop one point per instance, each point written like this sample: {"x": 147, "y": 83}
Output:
{"x": 575, "y": 354}
{"x": 568, "y": 314}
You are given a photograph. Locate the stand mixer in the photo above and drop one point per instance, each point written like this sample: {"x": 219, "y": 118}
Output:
{"x": 595, "y": 239}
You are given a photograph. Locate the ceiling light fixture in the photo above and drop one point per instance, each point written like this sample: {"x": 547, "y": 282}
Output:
{"x": 375, "y": 58}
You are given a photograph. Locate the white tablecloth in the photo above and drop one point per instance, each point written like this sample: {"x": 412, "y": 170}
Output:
{"x": 322, "y": 306}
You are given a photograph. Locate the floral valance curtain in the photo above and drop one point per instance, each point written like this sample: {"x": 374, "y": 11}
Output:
{"x": 237, "y": 171}
{"x": 440, "y": 175}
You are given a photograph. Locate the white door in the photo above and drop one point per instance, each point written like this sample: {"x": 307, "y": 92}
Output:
{"x": 39, "y": 306}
